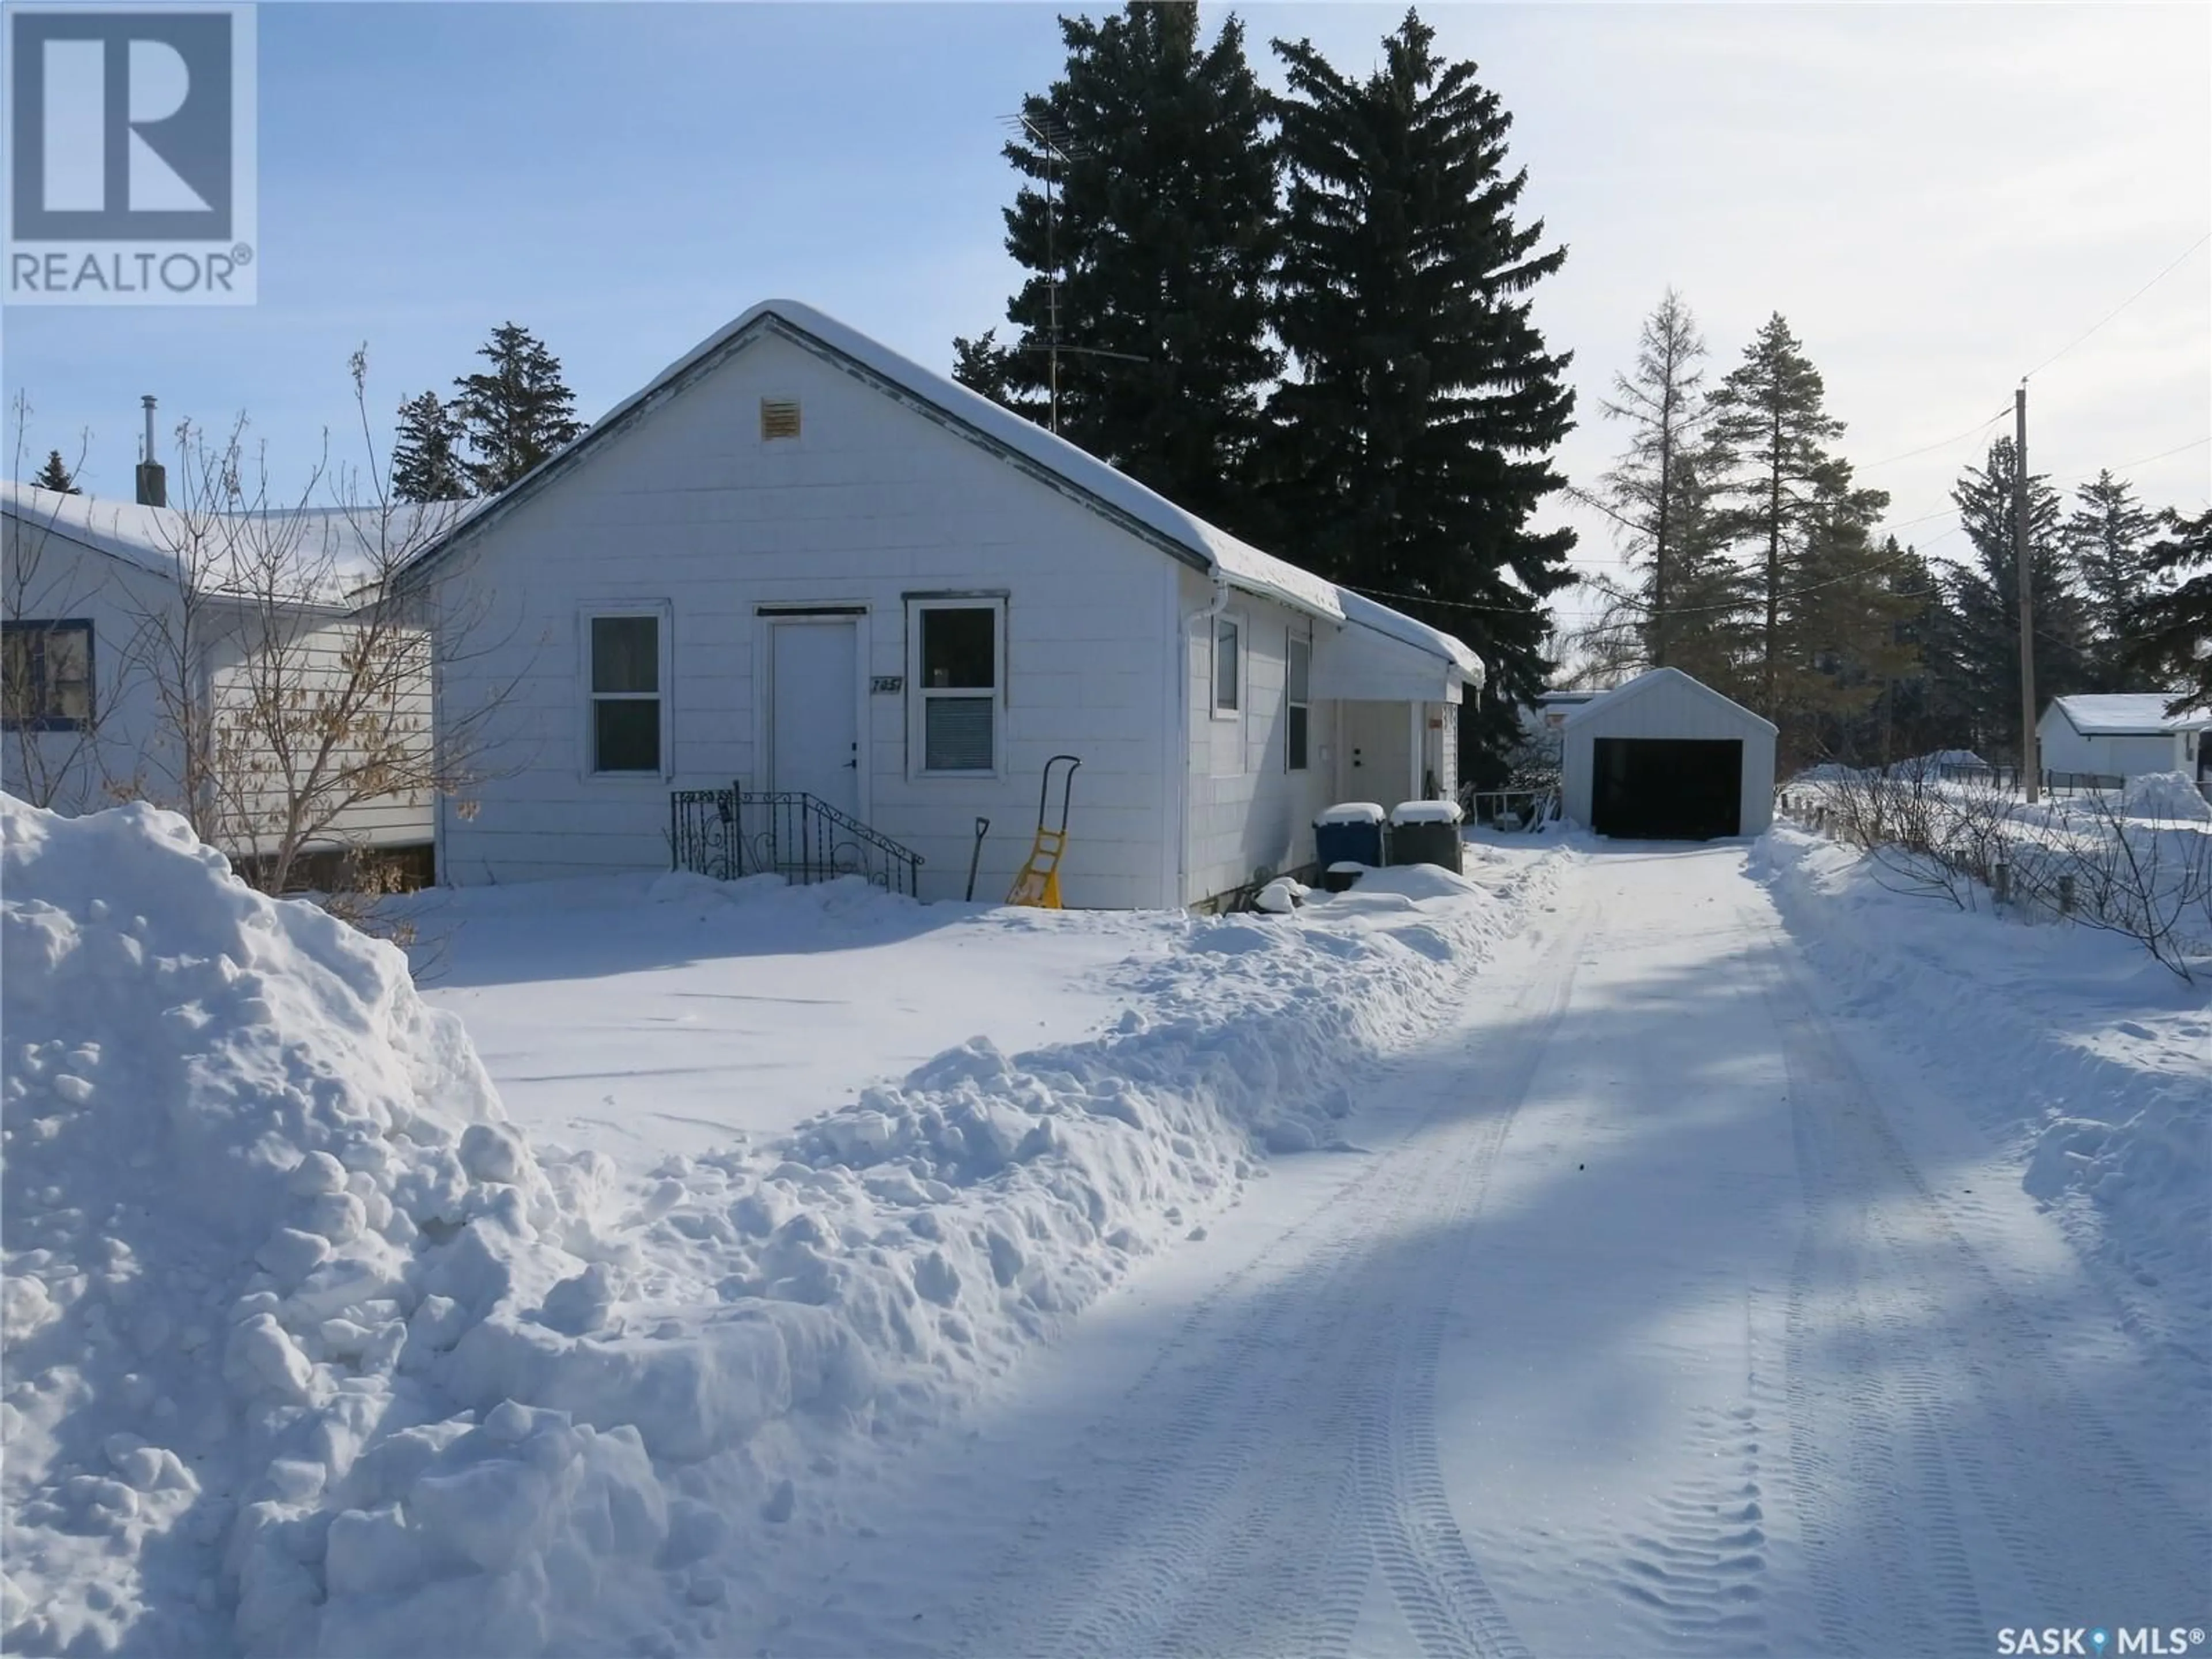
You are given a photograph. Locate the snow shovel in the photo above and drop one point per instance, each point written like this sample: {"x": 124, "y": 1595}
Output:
{"x": 975, "y": 857}
{"x": 1038, "y": 884}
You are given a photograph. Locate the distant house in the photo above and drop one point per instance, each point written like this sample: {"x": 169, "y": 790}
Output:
{"x": 106, "y": 668}
{"x": 2123, "y": 735}
{"x": 798, "y": 562}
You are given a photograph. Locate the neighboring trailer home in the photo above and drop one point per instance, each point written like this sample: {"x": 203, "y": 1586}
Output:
{"x": 798, "y": 565}
{"x": 1665, "y": 758}
{"x": 2123, "y": 735}
{"x": 108, "y": 664}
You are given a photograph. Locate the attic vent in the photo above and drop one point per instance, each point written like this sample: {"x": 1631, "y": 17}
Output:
{"x": 779, "y": 417}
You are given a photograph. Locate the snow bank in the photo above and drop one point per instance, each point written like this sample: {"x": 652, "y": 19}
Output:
{"x": 310, "y": 1352}
{"x": 2166, "y": 795}
{"x": 2092, "y": 1059}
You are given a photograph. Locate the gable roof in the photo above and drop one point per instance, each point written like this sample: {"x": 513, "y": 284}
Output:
{"x": 1650, "y": 680}
{"x": 1038, "y": 452}
{"x": 340, "y": 546}
{"x": 2129, "y": 715}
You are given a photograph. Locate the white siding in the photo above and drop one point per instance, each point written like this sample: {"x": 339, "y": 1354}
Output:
{"x": 1672, "y": 705}
{"x": 2115, "y": 755}
{"x": 1380, "y": 761}
{"x": 1247, "y": 813}
{"x": 690, "y": 510}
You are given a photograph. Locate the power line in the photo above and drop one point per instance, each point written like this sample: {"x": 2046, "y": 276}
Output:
{"x": 2117, "y": 309}
{"x": 1942, "y": 444}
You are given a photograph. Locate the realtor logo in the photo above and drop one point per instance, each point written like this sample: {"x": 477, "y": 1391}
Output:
{"x": 130, "y": 156}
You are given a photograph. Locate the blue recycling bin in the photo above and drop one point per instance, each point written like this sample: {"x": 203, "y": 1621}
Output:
{"x": 1351, "y": 832}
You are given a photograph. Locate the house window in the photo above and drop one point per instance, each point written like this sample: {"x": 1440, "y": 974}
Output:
{"x": 45, "y": 676}
{"x": 959, "y": 648}
{"x": 1228, "y": 636}
{"x": 626, "y": 733}
{"x": 1297, "y": 713}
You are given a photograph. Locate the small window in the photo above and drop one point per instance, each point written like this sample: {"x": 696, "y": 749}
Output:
{"x": 779, "y": 417}
{"x": 1298, "y": 670}
{"x": 626, "y": 734}
{"x": 960, "y": 651}
{"x": 1227, "y": 635}
{"x": 45, "y": 676}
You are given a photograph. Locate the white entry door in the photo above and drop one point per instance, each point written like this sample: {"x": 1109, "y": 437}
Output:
{"x": 814, "y": 736}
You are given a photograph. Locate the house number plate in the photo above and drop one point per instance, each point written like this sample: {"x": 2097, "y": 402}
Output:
{"x": 887, "y": 684}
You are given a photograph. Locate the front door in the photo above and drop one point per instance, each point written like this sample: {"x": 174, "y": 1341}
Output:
{"x": 814, "y": 733}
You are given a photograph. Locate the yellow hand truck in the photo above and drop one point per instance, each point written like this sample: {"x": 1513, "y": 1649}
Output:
{"x": 1038, "y": 884}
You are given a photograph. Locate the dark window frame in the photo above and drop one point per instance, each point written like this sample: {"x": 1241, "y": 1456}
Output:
{"x": 594, "y": 698}
{"x": 41, "y": 690}
{"x": 1234, "y": 627}
{"x": 1297, "y": 705}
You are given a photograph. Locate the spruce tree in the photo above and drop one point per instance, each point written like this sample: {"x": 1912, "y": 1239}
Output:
{"x": 56, "y": 476}
{"x": 2170, "y": 626}
{"x": 1985, "y": 596}
{"x": 1414, "y": 444}
{"x": 1777, "y": 478}
{"x": 426, "y": 465}
{"x": 1842, "y": 635}
{"x": 1161, "y": 230}
{"x": 1656, "y": 490}
{"x": 1922, "y": 711}
{"x": 2108, "y": 536}
{"x": 515, "y": 414}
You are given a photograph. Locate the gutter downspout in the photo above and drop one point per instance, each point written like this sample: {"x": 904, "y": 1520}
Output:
{"x": 1206, "y": 614}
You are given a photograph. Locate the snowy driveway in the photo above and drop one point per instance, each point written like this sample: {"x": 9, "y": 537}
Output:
{"x": 1644, "y": 1325}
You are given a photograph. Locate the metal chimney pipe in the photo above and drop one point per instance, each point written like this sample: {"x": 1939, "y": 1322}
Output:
{"x": 153, "y": 482}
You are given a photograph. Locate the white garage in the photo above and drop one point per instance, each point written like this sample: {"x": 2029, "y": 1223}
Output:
{"x": 1666, "y": 758}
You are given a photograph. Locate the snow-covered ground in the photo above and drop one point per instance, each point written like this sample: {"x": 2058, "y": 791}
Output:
{"x": 1631, "y": 1250}
{"x": 643, "y": 1015}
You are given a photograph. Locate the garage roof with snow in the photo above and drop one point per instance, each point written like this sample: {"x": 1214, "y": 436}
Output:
{"x": 2129, "y": 714}
{"x": 1650, "y": 680}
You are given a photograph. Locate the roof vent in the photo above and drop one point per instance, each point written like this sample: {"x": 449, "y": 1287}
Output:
{"x": 779, "y": 418}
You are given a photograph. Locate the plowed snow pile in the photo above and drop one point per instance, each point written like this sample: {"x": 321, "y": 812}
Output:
{"x": 309, "y": 1352}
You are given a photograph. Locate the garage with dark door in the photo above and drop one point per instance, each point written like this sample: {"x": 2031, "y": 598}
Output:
{"x": 1666, "y": 758}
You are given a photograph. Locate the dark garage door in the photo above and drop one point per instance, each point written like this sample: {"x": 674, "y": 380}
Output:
{"x": 1667, "y": 788}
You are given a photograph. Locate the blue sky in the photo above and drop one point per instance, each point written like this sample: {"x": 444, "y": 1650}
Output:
{"x": 1938, "y": 199}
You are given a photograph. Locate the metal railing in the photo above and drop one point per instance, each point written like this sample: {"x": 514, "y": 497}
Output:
{"x": 733, "y": 832}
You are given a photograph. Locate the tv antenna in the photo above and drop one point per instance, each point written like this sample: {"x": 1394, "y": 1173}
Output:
{"x": 1051, "y": 137}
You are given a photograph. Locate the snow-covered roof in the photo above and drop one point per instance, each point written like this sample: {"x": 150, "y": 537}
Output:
{"x": 343, "y": 549}
{"x": 2129, "y": 713}
{"x": 1369, "y": 613}
{"x": 1212, "y": 549}
{"x": 1649, "y": 680}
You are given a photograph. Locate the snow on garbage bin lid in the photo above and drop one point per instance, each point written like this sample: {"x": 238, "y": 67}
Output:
{"x": 1347, "y": 867}
{"x": 1427, "y": 812}
{"x": 1353, "y": 811}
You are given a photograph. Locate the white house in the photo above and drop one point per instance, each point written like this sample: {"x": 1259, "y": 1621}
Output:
{"x": 1666, "y": 757}
{"x": 106, "y": 664}
{"x": 797, "y": 561}
{"x": 2122, "y": 735}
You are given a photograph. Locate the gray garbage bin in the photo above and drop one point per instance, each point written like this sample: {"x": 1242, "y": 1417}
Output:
{"x": 1425, "y": 832}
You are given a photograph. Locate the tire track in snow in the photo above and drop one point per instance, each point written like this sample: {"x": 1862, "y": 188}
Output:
{"x": 1314, "y": 1399}
{"x": 2076, "y": 1518}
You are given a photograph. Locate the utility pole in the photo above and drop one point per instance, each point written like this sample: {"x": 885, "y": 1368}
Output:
{"x": 2031, "y": 775}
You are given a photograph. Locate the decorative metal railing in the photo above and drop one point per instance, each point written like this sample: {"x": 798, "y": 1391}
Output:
{"x": 728, "y": 833}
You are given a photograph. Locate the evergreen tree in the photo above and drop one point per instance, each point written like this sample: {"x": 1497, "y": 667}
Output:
{"x": 1984, "y": 597}
{"x": 2108, "y": 536}
{"x": 516, "y": 413}
{"x": 426, "y": 465}
{"x": 56, "y": 476}
{"x": 1921, "y": 711}
{"x": 1410, "y": 450}
{"x": 1842, "y": 632}
{"x": 1161, "y": 229}
{"x": 2169, "y": 627}
{"x": 1777, "y": 477}
{"x": 1655, "y": 492}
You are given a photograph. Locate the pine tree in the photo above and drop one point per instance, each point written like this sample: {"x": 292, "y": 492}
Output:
{"x": 1921, "y": 711}
{"x": 514, "y": 415}
{"x": 2169, "y": 627}
{"x": 426, "y": 465}
{"x": 56, "y": 476}
{"x": 1415, "y": 443}
{"x": 1984, "y": 597}
{"x": 1842, "y": 634}
{"x": 1655, "y": 492}
{"x": 1161, "y": 231}
{"x": 2108, "y": 536}
{"x": 1771, "y": 431}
